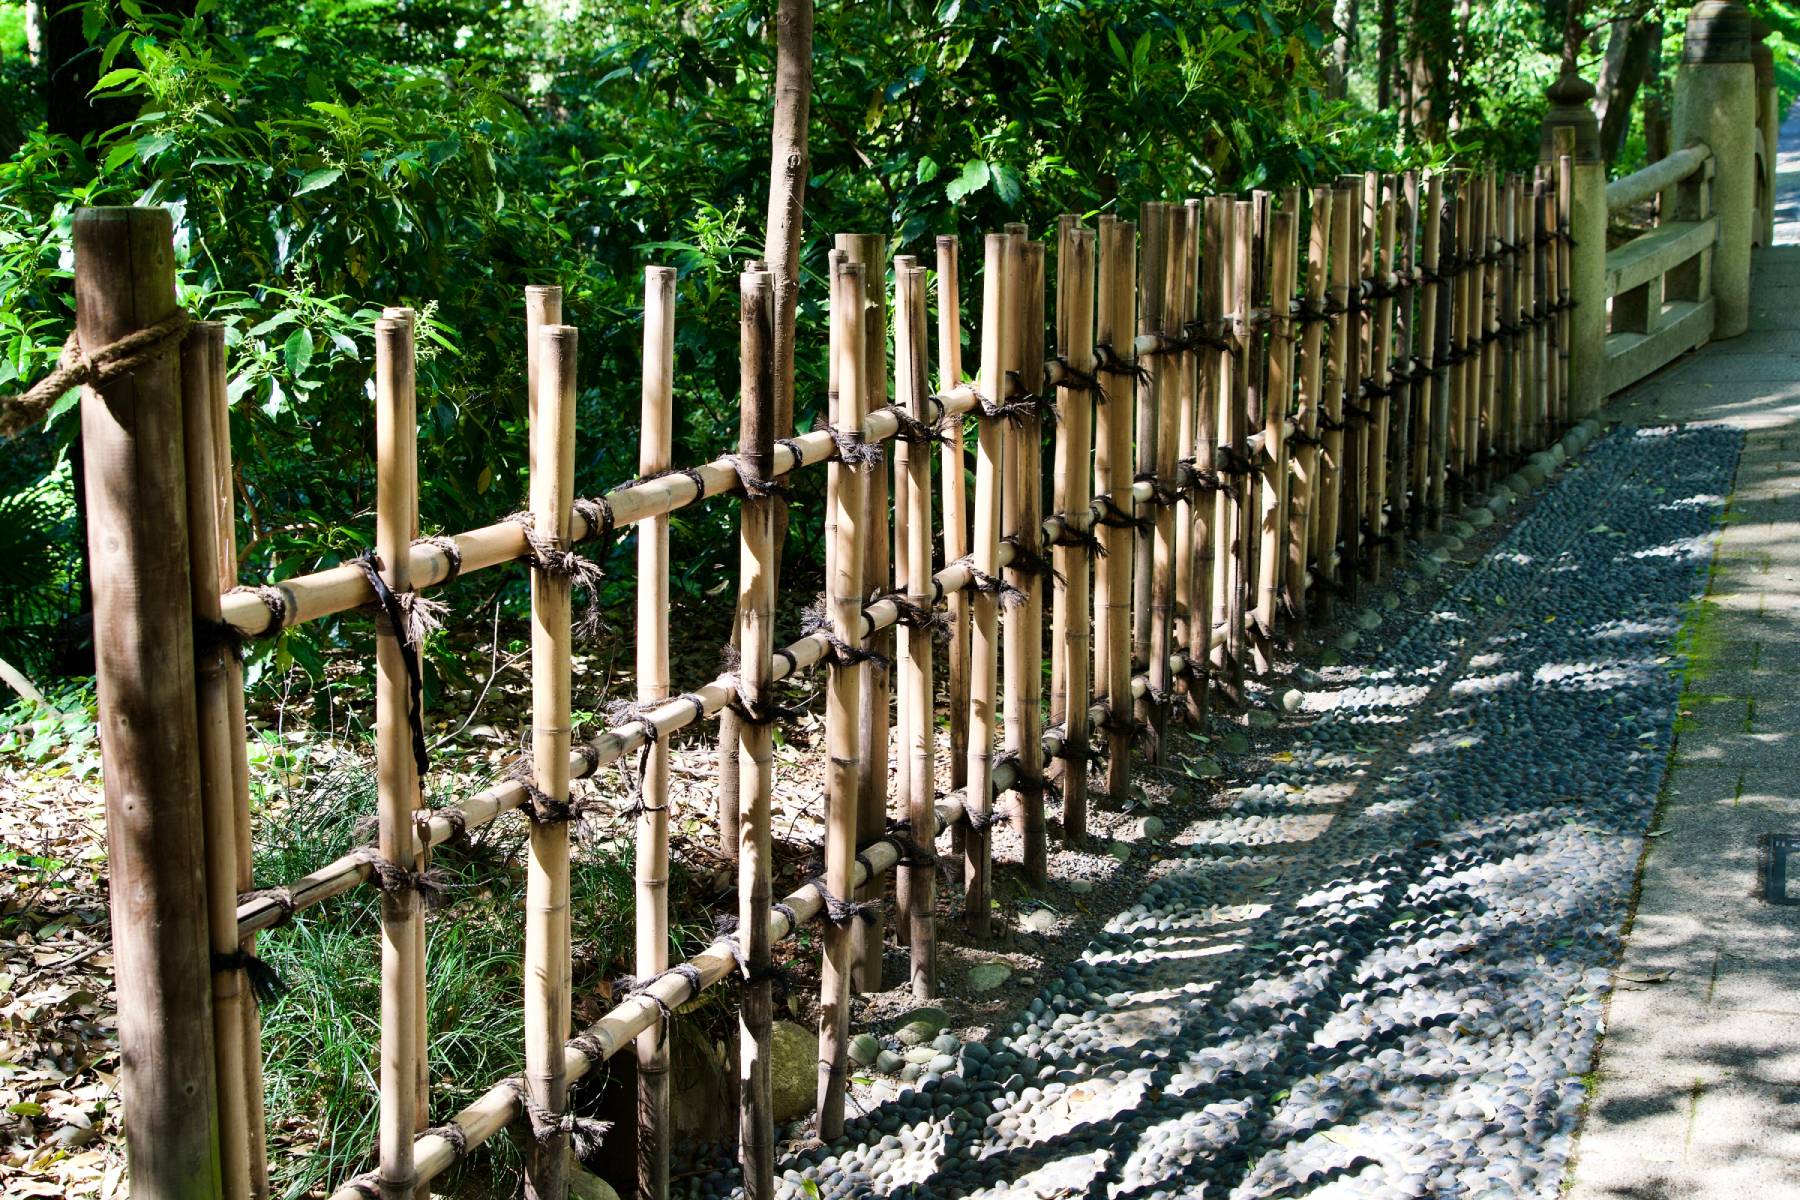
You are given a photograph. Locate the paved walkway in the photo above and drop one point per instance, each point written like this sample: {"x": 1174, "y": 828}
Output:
{"x": 1699, "y": 1075}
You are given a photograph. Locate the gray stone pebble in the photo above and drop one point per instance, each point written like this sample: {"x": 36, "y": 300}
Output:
{"x": 1399, "y": 1004}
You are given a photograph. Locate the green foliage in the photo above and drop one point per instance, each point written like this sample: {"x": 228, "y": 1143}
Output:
{"x": 322, "y": 159}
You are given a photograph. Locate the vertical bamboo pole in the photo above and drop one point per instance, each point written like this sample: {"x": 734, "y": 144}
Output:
{"x": 1223, "y": 216}
{"x": 1353, "y": 464}
{"x": 1023, "y": 516}
{"x": 1159, "y": 288}
{"x": 1565, "y": 202}
{"x": 402, "y": 920}
{"x": 1540, "y": 327}
{"x": 1446, "y": 374}
{"x": 1253, "y": 236}
{"x": 1071, "y": 640}
{"x": 984, "y": 643}
{"x": 757, "y": 571}
{"x": 225, "y": 506}
{"x": 1381, "y": 349}
{"x": 144, "y": 658}
{"x": 1303, "y": 514}
{"x": 422, "y": 1035}
{"x": 1475, "y": 406}
{"x": 904, "y": 708}
{"x": 1490, "y": 327}
{"x": 1112, "y": 480}
{"x": 843, "y": 691}
{"x": 1335, "y": 396}
{"x": 219, "y": 742}
{"x": 953, "y": 475}
{"x": 1426, "y": 381}
{"x": 1152, "y": 266}
{"x": 1183, "y": 317}
{"x": 1510, "y": 298}
{"x": 651, "y": 869}
{"x": 1284, "y": 249}
{"x": 874, "y": 718}
{"x": 547, "y": 928}
{"x": 1456, "y": 463}
{"x": 1404, "y": 280}
{"x": 1211, "y": 570}
{"x": 1201, "y": 426}
{"x": 916, "y": 649}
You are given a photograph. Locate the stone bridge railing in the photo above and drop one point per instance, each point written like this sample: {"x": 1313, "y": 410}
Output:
{"x": 1686, "y": 280}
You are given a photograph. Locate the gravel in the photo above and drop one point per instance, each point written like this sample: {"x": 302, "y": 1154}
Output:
{"x": 1382, "y": 969}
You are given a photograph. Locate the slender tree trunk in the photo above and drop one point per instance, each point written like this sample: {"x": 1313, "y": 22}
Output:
{"x": 788, "y": 169}
{"x": 1429, "y": 37}
{"x": 34, "y": 32}
{"x": 1385, "y": 44}
{"x": 1343, "y": 16}
{"x": 1633, "y": 47}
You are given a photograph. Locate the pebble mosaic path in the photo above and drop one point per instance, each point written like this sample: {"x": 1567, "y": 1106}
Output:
{"x": 1382, "y": 970}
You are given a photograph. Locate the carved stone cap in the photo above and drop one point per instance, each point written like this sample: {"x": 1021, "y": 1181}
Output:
{"x": 1571, "y": 107}
{"x": 1718, "y": 31}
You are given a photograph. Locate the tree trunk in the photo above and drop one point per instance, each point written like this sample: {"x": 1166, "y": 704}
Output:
{"x": 1429, "y": 44}
{"x": 1633, "y": 48}
{"x": 1343, "y": 17}
{"x": 34, "y": 32}
{"x": 788, "y": 168}
{"x": 1384, "y": 57}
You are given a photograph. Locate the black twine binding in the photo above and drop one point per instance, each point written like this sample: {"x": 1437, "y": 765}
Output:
{"x": 842, "y": 912}
{"x": 1114, "y": 517}
{"x": 1029, "y": 563}
{"x": 402, "y": 630}
{"x": 853, "y": 450}
{"x": 989, "y": 585}
{"x": 583, "y": 574}
{"x": 1069, "y": 536}
{"x": 265, "y": 984}
{"x": 1107, "y": 359}
{"x": 753, "y": 483}
{"x": 1077, "y": 380}
{"x": 391, "y": 877}
{"x": 916, "y": 432}
{"x": 839, "y": 653}
{"x": 545, "y": 1125}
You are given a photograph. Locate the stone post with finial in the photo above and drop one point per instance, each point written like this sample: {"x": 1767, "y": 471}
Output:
{"x": 1768, "y": 121}
{"x": 1571, "y": 129}
{"x": 1715, "y": 104}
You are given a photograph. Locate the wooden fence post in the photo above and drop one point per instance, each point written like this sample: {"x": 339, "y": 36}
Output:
{"x": 1303, "y": 506}
{"x": 136, "y": 484}
{"x": 1112, "y": 480}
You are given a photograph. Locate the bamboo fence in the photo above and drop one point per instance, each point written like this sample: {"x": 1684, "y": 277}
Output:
{"x": 1234, "y": 410}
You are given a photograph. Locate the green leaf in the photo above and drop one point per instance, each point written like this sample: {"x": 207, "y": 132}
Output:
{"x": 928, "y": 169}
{"x": 1006, "y": 184}
{"x": 314, "y": 180}
{"x": 973, "y": 178}
{"x": 298, "y": 352}
{"x": 114, "y": 78}
{"x": 120, "y": 154}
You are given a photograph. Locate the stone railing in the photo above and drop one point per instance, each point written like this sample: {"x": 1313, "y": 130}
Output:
{"x": 1687, "y": 280}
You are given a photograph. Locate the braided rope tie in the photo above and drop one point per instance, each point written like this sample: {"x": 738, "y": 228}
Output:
{"x": 78, "y": 367}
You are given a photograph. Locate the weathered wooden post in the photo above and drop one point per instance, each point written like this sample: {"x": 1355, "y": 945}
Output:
{"x": 1570, "y": 128}
{"x": 136, "y": 484}
{"x": 1715, "y": 104}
